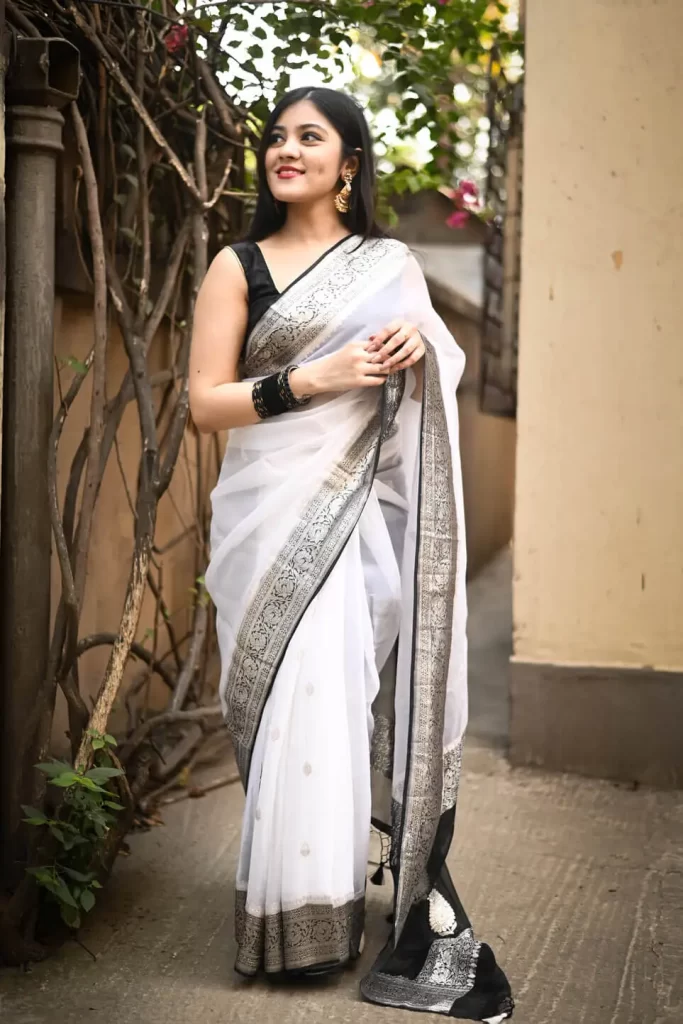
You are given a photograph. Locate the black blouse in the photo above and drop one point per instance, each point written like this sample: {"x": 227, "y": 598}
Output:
{"x": 262, "y": 290}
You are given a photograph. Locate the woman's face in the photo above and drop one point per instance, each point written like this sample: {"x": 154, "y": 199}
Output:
{"x": 304, "y": 156}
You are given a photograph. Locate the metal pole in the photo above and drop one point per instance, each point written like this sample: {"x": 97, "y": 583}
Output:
{"x": 34, "y": 140}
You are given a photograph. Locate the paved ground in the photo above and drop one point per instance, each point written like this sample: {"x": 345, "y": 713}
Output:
{"x": 578, "y": 885}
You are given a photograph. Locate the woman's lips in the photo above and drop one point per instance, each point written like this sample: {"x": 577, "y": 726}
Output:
{"x": 288, "y": 172}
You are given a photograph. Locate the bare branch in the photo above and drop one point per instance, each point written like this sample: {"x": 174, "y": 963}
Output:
{"x": 169, "y": 283}
{"x": 219, "y": 190}
{"x": 67, "y": 624}
{"x": 218, "y": 98}
{"x": 136, "y": 352}
{"x": 136, "y": 649}
{"x": 122, "y": 645}
{"x": 172, "y": 639}
{"x": 21, "y": 20}
{"x": 195, "y": 792}
{"x": 143, "y": 175}
{"x": 198, "y": 635}
{"x": 97, "y": 403}
{"x": 167, "y": 717}
{"x": 135, "y": 100}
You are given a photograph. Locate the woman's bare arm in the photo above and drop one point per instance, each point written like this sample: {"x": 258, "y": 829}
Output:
{"x": 218, "y": 400}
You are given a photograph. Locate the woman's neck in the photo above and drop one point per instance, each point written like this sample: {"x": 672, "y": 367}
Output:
{"x": 312, "y": 224}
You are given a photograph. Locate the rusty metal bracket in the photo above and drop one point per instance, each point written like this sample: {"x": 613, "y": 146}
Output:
{"x": 43, "y": 73}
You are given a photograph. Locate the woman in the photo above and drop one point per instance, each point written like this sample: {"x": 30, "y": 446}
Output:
{"x": 338, "y": 571}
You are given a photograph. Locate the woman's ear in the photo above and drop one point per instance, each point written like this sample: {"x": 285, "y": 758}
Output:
{"x": 352, "y": 164}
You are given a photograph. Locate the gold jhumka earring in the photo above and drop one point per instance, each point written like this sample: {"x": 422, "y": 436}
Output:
{"x": 341, "y": 200}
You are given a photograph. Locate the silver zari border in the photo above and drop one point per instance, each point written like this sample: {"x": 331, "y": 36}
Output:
{"x": 297, "y": 572}
{"x": 316, "y": 933}
{"x": 435, "y": 573}
{"x": 448, "y": 974}
{"x": 305, "y": 314}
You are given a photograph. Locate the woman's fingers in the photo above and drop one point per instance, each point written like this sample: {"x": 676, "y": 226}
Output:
{"x": 412, "y": 345}
{"x": 391, "y": 337}
{"x": 415, "y": 357}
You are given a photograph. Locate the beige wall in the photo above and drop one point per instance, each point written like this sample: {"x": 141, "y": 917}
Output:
{"x": 112, "y": 538}
{"x": 487, "y": 449}
{"x": 599, "y": 505}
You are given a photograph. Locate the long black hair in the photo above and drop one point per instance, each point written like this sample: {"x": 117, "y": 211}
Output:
{"x": 347, "y": 116}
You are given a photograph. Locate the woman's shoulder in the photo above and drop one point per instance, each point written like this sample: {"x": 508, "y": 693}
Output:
{"x": 392, "y": 245}
{"x": 227, "y": 270}
{"x": 246, "y": 252}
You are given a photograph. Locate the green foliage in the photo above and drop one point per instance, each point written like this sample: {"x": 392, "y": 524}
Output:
{"x": 73, "y": 363}
{"x": 423, "y": 50}
{"x": 76, "y": 833}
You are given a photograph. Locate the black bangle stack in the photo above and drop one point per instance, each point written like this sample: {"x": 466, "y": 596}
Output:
{"x": 273, "y": 395}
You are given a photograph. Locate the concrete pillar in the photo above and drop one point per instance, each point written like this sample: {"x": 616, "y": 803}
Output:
{"x": 597, "y": 674}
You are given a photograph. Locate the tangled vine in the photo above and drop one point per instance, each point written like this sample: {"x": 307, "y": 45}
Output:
{"x": 160, "y": 186}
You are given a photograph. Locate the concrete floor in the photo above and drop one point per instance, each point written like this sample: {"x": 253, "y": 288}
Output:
{"x": 577, "y": 884}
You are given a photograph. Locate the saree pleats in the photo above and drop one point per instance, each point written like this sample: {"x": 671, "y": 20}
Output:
{"x": 338, "y": 573}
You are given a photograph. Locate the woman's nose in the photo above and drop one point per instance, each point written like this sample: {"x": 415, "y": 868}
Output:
{"x": 290, "y": 147}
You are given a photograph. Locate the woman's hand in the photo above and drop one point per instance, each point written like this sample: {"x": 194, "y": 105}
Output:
{"x": 399, "y": 345}
{"x": 353, "y": 366}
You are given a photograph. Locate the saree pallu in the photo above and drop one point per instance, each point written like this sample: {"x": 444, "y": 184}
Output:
{"x": 338, "y": 573}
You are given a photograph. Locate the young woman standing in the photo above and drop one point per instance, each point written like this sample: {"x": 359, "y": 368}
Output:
{"x": 338, "y": 571}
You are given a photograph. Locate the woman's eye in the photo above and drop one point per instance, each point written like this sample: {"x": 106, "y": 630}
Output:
{"x": 310, "y": 135}
{"x": 274, "y": 139}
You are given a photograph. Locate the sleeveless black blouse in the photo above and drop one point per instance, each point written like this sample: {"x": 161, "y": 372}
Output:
{"x": 262, "y": 290}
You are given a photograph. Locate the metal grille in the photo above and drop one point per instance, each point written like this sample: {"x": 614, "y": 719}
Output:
{"x": 502, "y": 256}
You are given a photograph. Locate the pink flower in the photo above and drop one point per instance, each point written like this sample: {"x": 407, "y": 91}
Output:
{"x": 469, "y": 188}
{"x": 458, "y": 219}
{"x": 443, "y": 2}
{"x": 368, "y": 3}
{"x": 177, "y": 38}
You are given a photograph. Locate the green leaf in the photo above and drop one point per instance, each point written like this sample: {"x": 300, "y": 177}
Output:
{"x": 77, "y": 364}
{"x": 95, "y": 884}
{"x": 87, "y": 900}
{"x": 114, "y": 806}
{"x": 58, "y": 888}
{"x": 70, "y": 916}
{"x": 108, "y": 738}
{"x": 77, "y": 876}
{"x": 99, "y": 775}
{"x": 33, "y": 815}
{"x": 97, "y": 744}
{"x": 58, "y": 834}
{"x": 41, "y": 874}
{"x": 86, "y": 783}
{"x": 52, "y": 768}
{"x": 66, "y": 779}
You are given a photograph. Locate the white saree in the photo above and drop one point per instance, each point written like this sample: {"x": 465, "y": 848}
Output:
{"x": 338, "y": 574}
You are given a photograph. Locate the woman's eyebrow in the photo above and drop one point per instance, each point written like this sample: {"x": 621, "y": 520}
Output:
{"x": 300, "y": 127}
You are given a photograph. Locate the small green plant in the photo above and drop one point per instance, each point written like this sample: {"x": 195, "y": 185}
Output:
{"x": 81, "y": 822}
